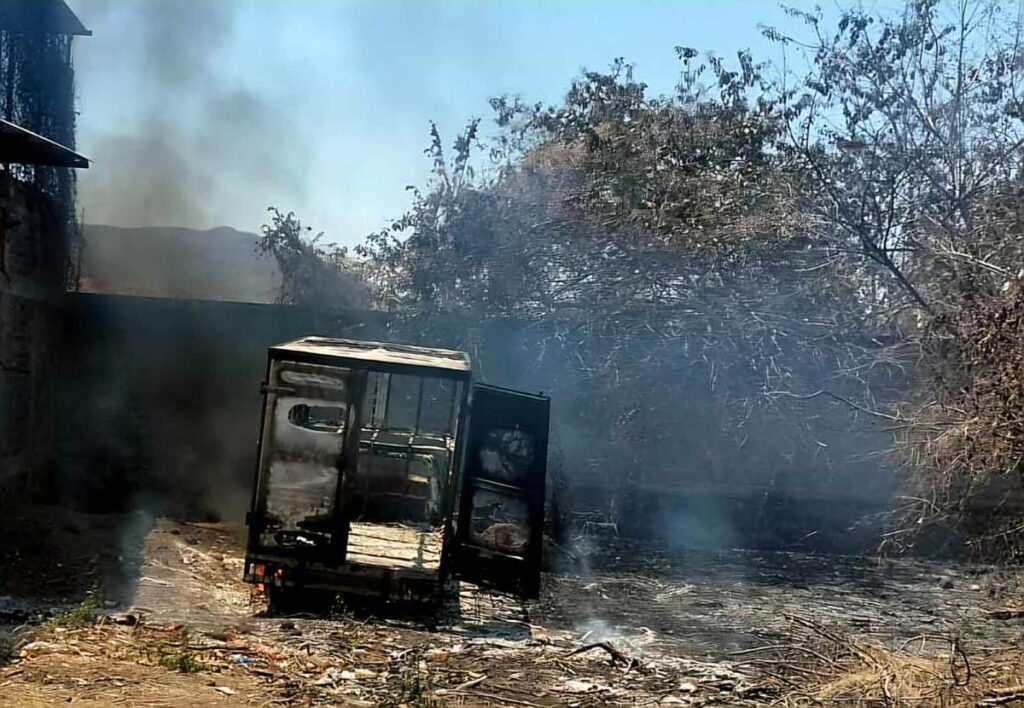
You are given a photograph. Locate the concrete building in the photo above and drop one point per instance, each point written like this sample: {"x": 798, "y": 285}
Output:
{"x": 37, "y": 226}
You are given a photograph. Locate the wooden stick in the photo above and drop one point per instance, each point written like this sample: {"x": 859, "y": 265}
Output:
{"x": 1003, "y": 699}
{"x": 615, "y": 653}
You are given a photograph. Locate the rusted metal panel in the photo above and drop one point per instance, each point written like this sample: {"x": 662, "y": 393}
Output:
{"x": 499, "y": 539}
{"x": 344, "y": 352}
{"x": 299, "y": 465}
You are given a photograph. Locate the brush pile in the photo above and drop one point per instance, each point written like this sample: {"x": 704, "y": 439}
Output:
{"x": 925, "y": 671}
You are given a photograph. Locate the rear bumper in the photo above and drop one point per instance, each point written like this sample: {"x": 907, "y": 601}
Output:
{"x": 348, "y": 578}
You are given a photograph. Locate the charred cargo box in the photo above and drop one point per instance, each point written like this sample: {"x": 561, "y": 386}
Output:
{"x": 383, "y": 470}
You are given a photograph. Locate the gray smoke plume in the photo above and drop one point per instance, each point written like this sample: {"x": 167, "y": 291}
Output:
{"x": 192, "y": 139}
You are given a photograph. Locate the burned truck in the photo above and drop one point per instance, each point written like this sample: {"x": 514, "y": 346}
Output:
{"x": 383, "y": 470}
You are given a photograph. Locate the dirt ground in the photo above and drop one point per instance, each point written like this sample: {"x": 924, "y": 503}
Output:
{"x": 130, "y": 610}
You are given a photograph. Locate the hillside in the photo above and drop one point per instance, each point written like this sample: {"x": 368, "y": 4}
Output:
{"x": 218, "y": 264}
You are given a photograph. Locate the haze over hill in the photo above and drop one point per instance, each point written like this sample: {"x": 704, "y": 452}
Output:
{"x": 159, "y": 261}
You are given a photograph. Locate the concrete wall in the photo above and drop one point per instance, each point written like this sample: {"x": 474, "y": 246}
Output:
{"x": 33, "y": 248}
{"x": 160, "y": 399}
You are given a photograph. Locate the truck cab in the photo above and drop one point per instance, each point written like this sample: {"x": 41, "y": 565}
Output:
{"x": 384, "y": 471}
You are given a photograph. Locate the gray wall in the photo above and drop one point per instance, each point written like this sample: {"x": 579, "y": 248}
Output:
{"x": 159, "y": 406}
{"x": 33, "y": 247}
{"x": 160, "y": 399}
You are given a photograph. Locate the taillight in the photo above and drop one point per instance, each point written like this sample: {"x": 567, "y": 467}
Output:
{"x": 259, "y": 570}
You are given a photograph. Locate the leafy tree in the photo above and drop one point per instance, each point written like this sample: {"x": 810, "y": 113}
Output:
{"x": 312, "y": 275}
{"x": 717, "y": 280}
{"x": 654, "y": 245}
{"x": 911, "y": 125}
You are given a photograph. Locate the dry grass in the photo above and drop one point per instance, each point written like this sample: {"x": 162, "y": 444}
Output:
{"x": 964, "y": 449}
{"x": 928, "y": 671}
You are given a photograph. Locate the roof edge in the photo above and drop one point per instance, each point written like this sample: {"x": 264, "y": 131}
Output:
{"x": 41, "y": 16}
{"x": 21, "y": 146}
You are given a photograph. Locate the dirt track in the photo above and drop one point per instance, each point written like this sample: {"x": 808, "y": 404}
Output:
{"x": 683, "y": 625}
{"x": 188, "y": 600}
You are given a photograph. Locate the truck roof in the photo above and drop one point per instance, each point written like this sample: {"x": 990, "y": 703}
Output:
{"x": 339, "y": 352}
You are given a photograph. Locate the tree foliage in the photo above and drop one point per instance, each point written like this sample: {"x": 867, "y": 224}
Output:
{"x": 651, "y": 250}
{"x": 767, "y": 256}
{"x": 913, "y": 127}
{"x": 312, "y": 275}
{"x": 909, "y": 125}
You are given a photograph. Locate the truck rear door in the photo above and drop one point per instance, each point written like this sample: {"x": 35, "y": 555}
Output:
{"x": 500, "y": 524}
{"x": 308, "y": 448}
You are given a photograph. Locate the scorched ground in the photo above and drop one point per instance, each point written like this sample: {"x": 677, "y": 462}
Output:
{"x": 130, "y": 610}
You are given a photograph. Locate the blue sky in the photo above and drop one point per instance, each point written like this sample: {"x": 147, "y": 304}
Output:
{"x": 326, "y": 103}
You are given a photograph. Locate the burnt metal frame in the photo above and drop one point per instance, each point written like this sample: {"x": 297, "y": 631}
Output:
{"x": 348, "y": 461}
{"x": 255, "y": 518}
{"x": 358, "y": 367}
{"x": 473, "y": 560}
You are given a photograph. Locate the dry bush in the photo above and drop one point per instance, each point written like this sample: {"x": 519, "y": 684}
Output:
{"x": 922, "y": 672}
{"x": 965, "y": 492}
{"x": 874, "y": 675}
